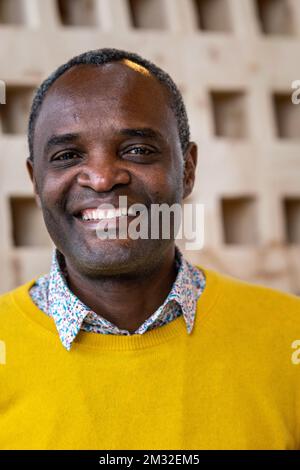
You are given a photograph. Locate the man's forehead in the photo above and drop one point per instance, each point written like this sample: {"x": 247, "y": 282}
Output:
{"x": 113, "y": 84}
{"x": 87, "y": 98}
{"x": 118, "y": 76}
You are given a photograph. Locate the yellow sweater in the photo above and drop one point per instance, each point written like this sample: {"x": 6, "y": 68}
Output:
{"x": 234, "y": 383}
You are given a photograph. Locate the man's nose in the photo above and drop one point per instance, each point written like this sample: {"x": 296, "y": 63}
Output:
{"x": 102, "y": 174}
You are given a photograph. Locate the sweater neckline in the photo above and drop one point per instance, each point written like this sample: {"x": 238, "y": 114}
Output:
{"x": 21, "y": 298}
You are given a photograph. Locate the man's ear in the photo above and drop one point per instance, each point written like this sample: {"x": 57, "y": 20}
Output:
{"x": 190, "y": 163}
{"x": 29, "y": 165}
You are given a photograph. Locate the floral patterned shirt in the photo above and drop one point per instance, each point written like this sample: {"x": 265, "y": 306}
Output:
{"x": 52, "y": 295}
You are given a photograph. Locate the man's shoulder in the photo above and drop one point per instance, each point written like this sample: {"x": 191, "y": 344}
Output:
{"x": 246, "y": 295}
{"x": 9, "y": 300}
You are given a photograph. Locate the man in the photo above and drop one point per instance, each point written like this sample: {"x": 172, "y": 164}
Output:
{"x": 125, "y": 344}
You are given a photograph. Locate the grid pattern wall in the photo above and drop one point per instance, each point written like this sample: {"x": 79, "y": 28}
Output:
{"x": 234, "y": 61}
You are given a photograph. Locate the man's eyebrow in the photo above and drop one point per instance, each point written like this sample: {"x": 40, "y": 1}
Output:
{"x": 142, "y": 132}
{"x": 61, "y": 139}
{"x": 68, "y": 138}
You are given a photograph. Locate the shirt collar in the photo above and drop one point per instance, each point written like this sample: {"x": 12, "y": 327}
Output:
{"x": 69, "y": 312}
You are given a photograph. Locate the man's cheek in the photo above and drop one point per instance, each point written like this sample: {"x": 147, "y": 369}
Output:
{"x": 52, "y": 195}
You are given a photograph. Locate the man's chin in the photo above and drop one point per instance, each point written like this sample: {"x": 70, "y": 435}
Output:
{"x": 114, "y": 258}
{"x": 108, "y": 257}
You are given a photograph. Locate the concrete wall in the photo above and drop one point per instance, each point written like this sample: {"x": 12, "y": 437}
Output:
{"x": 234, "y": 61}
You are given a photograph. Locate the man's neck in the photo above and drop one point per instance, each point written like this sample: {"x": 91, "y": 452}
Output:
{"x": 126, "y": 303}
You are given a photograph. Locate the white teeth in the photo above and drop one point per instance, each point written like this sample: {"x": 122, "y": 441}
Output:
{"x": 99, "y": 214}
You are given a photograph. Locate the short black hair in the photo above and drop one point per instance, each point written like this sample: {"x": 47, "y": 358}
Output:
{"x": 104, "y": 56}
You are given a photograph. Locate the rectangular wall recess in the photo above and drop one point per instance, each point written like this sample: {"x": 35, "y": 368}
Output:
{"x": 291, "y": 208}
{"x": 12, "y": 12}
{"x": 239, "y": 220}
{"x": 147, "y": 14}
{"x": 287, "y": 116}
{"x": 275, "y": 16}
{"x": 213, "y": 15}
{"x": 229, "y": 114}
{"x": 14, "y": 114}
{"x": 77, "y": 12}
{"x": 28, "y": 227}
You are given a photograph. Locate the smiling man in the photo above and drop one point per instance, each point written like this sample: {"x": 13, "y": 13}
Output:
{"x": 124, "y": 344}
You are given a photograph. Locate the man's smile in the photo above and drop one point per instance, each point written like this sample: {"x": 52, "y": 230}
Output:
{"x": 107, "y": 216}
{"x": 109, "y": 220}
{"x": 96, "y": 220}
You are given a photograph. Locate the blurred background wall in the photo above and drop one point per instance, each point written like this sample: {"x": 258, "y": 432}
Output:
{"x": 233, "y": 60}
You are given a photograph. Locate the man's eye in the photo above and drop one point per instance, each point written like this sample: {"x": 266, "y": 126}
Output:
{"x": 65, "y": 156}
{"x": 139, "y": 151}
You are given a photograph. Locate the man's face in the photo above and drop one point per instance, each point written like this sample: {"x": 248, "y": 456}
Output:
{"x": 105, "y": 132}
